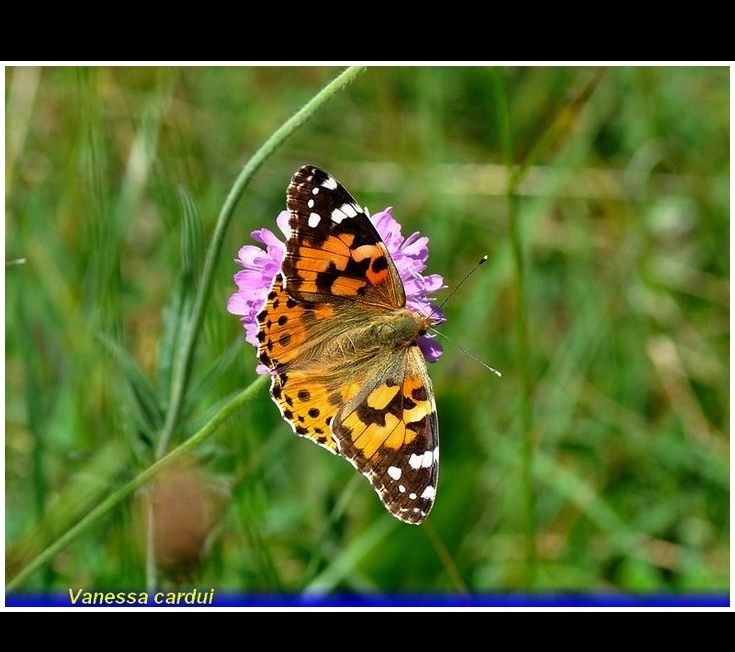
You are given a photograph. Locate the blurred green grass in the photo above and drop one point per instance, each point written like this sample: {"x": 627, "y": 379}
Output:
{"x": 622, "y": 218}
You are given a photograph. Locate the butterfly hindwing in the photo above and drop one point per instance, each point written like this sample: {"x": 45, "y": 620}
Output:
{"x": 390, "y": 434}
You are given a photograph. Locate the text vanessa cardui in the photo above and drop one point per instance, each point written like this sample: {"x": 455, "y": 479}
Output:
{"x": 344, "y": 351}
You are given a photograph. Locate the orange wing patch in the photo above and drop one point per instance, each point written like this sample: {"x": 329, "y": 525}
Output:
{"x": 284, "y": 326}
{"x": 309, "y": 407}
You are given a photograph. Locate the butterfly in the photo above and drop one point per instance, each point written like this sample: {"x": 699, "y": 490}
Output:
{"x": 347, "y": 371}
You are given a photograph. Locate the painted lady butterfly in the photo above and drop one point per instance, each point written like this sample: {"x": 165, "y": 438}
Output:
{"x": 343, "y": 349}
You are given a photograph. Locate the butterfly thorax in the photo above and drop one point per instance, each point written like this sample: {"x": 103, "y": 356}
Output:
{"x": 393, "y": 330}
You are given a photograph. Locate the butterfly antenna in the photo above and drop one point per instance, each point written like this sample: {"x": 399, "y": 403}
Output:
{"x": 461, "y": 283}
{"x": 466, "y": 352}
{"x": 449, "y": 339}
{"x": 435, "y": 309}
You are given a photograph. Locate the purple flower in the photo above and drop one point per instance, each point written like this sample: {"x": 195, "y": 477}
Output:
{"x": 409, "y": 254}
{"x": 254, "y": 281}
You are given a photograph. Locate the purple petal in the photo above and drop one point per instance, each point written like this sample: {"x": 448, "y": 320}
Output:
{"x": 237, "y": 304}
{"x": 283, "y": 219}
{"x": 431, "y": 349}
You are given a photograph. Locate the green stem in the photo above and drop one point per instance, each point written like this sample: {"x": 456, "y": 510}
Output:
{"x": 183, "y": 368}
{"x": 558, "y": 128}
{"x": 193, "y": 326}
{"x": 521, "y": 323}
{"x": 118, "y": 496}
{"x": 524, "y": 386}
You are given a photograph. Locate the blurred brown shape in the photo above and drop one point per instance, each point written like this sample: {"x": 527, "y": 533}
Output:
{"x": 185, "y": 504}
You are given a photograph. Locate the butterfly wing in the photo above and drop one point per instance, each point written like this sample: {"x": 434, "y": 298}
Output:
{"x": 370, "y": 402}
{"x": 389, "y": 432}
{"x": 307, "y": 385}
{"x": 334, "y": 250}
{"x": 376, "y": 411}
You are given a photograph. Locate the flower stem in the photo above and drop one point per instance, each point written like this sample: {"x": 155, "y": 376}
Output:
{"x": 193, "y": 327}
{"x": 553, "y": 135}
{"x": 116, "y": 497}
{"x": 521, "y": 323}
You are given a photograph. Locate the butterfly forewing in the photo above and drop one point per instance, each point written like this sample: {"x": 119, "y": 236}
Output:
{"x": 334, "y": 249}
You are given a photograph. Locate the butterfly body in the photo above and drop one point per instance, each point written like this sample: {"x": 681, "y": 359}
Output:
{"x": 343, "y": 348}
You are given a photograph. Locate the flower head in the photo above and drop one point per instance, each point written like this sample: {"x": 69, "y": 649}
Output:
{"x": 409, "y": 255}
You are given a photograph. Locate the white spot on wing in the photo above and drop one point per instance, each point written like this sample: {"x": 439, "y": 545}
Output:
{"x": 350, "y": 210}
{"x": 330, "y": 183}
{"x": 310, "y": 203}
{"x": 429, "y": 493}
{"x": 314, "y": 220}
{"x": 394, "y": 472}
{"x": 421, "y": 461}
{"x": 315, "y": 191}
{"x": 344, "y": 212}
